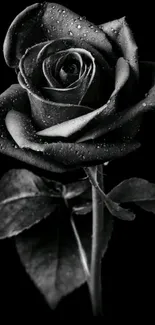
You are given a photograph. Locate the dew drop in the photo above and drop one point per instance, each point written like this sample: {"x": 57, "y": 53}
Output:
{"x": 60, "y": 10}
{"x": 63, "y": 11}
{"x": 80, "y": 18}
{"x": 144, "y": 104}
{"x": 58, "y": 21}
{"x": 96, "y": 31}
{"x": 70, "y": 33}
{"x": 84, "y": 34}
{"x": 91, "y": 26}
{"x": 79, "y": 26}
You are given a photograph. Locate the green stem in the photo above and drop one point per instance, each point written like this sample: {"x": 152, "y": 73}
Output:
{"x": 95, "y": 286}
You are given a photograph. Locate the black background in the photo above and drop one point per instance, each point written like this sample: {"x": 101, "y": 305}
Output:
{"x": 128, "y": 268}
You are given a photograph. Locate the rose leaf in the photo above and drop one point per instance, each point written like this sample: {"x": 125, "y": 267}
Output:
{"x": 75, "y": 189}
{"x": 24, "y": 201}
{"x": 50, "y": 255}
{"x": 56, "y": 254}
{"x": 113, "y": 207}
{"x": 136, "y": 190}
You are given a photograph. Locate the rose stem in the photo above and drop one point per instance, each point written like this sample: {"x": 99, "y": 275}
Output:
{"x": 95, "y": 286}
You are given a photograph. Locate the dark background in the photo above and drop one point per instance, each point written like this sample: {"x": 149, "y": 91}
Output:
{"x": 128, "y": 268}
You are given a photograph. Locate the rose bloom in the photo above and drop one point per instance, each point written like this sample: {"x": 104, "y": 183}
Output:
{"x": 81, "y": 90}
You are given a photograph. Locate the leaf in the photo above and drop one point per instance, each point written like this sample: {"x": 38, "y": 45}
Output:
{"x": 136, "y": 190}
{"x": 75, "y": 189}
{"x": 82, "y": 253}
{"x": 83, "y": 228}
{"x": 51, "y": 258}
{"x": 114, "y": 208}
{"x": 24, "y": 201}
{"x": 82, "y": 208}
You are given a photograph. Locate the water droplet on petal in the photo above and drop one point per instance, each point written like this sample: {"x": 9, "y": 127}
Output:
{"x": 91, "y": 26}
{"x": 144, "y": 104}
{"x": 106, "y": 163}
{"x": 70, "y": 33}
{"x": 79, "y": 26}
{"x": 84, "y": 34}
{"x": 58, "y": 21}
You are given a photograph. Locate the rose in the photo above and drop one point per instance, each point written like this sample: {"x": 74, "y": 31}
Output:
{"x": 80, "y": 93}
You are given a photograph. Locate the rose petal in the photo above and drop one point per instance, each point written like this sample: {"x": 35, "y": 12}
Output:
{"x": 127, "y": 119}
{"x": 46, "y": 113}
{"x": 68, "y": 128}
{"x": 16, "y": 98}
{"x": 119, "y": 32}
{"x": 74, "y": 94}
{"x": 122, "y": 73}
{"x": 49, "y": 68}
{"x": 46, "y": 21}
{"x": 41, "y": 108}
{"x": 22, "y": 131}
{"x": 31, "y": 62}
{"x": 68, "y": 77}
{"x": 74, "y": 154}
